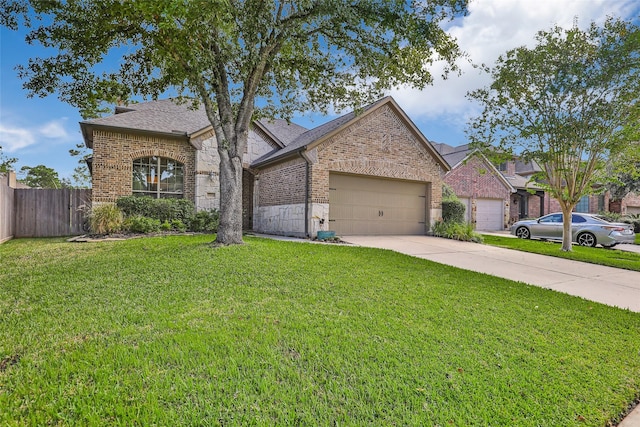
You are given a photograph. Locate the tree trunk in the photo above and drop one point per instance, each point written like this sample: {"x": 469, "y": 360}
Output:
{"x": 566, "y": 227}
{"x": 230, "y": 228}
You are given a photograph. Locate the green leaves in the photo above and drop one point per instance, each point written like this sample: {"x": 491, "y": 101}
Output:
{"x": 570, "y": 103}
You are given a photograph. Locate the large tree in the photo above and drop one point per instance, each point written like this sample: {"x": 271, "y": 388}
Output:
{"x": 239, "y": 59}
{"x": 570, "y": 103}
{"x": 41, "y": 176}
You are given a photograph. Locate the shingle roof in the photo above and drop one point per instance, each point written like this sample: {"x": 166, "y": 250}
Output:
{"x": 453, "y": 155}
{"x": 521, "y": 182}
{"x": 284, "y": 131}
{"x": 164, "y": 116}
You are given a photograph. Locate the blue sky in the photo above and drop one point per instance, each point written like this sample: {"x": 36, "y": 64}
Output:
{"x": 42, "y": 130}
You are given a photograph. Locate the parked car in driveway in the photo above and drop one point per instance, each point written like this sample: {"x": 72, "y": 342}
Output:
{"x": 586, "y": 230}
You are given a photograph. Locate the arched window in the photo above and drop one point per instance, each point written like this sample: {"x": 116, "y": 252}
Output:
{"x": 158, "y": 177}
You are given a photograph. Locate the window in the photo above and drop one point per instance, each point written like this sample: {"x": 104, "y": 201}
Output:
{"x": 158, "y": 177}
{"x": 551, "y": 219}
{"x": 502, "y": 167}
{"x": 577, "y": 218}
{"x": 583, "y": 205}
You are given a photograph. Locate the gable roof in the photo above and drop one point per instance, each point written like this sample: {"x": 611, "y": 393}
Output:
{"x": 458, "y": 155}
{"x": 317, "y": 135}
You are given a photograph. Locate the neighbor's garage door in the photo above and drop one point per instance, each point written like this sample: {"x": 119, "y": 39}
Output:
{"x": 489, "y": 214}
{"x": 362, "y": 205}
{"x": 633, "y": 209}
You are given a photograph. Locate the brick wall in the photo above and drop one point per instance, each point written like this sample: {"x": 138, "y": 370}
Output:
{"x": 476, "y": 179}
{"x": 631, "y": 200}
{"x": 282, "y": 184}
{"x": 113, "y": 155}
{"x": 379, "y": 144}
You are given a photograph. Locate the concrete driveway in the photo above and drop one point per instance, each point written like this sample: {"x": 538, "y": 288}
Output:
{"x": 607, "y": 285}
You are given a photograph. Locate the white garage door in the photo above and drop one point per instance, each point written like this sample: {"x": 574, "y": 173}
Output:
{"x": 360, "y": 205}
{"x": 489, "y": 214}
{"x": 633, "y": 209}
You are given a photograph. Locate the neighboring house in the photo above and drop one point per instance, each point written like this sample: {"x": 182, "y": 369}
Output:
{"x": 629, "y": 204}
{"x": 497, "y": 196}
{"x": 370, "y": 172}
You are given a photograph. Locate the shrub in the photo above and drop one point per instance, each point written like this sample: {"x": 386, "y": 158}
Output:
{"x": 447, "y": 193}
{"x": 105, "y": 219}
{"x": 610, "y": 216}
{"x": 178, "y": 225}
{"x": 205, "y": 221}
{"x": 457, "y": 231}
{"x": 453, "y": 211}
{"x": 160, "y": 209}
{"x": 136, "y": 206}
{"x": 166, "y": 226}
{"x": 633, "y": 219}
{"x": 142, "y": 224}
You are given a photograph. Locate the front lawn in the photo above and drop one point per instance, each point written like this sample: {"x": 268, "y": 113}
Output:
{"x": 597, "y": 255}
{"x": 169, "y": 331}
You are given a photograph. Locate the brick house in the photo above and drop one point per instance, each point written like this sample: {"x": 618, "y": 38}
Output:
{"x": 498, "y": 196}
{"x": 367, "y": 173}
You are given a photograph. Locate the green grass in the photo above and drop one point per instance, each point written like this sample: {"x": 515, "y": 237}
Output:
{"x": 601, "y": 256}
{"x": 169, "y": 331}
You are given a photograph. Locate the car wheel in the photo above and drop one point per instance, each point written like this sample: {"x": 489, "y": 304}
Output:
{"x": 587, "y": 239}
{"x": 523, "y": 233}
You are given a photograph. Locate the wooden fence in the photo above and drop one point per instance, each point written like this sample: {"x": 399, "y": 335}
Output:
{"x": 31, "y": 212}
{"x": 7, "y": 212}
{"x": 50, "y": 213}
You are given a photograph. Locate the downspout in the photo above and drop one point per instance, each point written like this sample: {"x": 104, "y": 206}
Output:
{"x": 306, "y": 195}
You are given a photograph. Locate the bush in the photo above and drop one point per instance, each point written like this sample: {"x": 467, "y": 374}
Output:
{"x": 105, "y": 219}
{"x": 205, "y": 221}
{"x": 178, "y": 225}
{"x": 456, "y": 231}
{"x": 610, "y": 216}
{"x": 136, "y": 206}
{"x": 453, "y": 211}
{"x": 633, "y": 219}
{"x": 142, "y": 224}
{"x": 160, "y": 209}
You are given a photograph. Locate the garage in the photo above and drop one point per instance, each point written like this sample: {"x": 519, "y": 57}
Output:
{"x": 362, "y": 205}
{"x": 633, "y": 210}
{"x": 489, "y": 214}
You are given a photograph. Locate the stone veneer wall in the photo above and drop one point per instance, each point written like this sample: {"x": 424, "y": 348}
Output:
{"x": 113, "y": 155}
{"x": 207, "y": 187}
{"x": 279, "y": 198}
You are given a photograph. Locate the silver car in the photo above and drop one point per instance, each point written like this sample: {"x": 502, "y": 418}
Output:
{"x": 586, "y": 230}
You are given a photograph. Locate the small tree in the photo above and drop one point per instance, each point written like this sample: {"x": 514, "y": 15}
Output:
{"x": 570, "y": 104}
{"x": 226, "y": 54}
{"x": 6, "y": 163}
{"x": 81, "y": 176}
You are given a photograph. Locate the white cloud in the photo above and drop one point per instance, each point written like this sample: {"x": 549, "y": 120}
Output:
{"x": 491, "y": 28}
{"x": 54, "y": 129}
{"x": 14, "y": 139}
